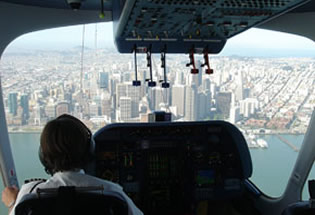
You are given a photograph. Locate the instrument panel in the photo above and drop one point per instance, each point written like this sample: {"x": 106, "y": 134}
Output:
{"x": 182, "y": 25}
{"x": 170, "y": 168}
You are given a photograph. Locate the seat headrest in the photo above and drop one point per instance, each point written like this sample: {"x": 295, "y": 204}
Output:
{"x": 67, "y": 200}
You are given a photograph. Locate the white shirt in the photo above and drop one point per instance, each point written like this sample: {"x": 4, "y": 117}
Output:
{"x": 78, "y": 179}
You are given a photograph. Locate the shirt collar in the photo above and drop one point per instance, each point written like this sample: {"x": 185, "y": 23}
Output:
{"x": 80, "y": 171}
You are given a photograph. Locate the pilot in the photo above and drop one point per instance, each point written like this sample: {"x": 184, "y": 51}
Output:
{"x": 66, "y": 147}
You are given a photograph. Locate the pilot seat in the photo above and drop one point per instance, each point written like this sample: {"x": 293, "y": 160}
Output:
{"x": 69, "y": 200}
{"x": 303, "y": 207}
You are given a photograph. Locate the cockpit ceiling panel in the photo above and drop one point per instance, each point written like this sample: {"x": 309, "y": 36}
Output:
{"x": 62, "y": 4}
{"x": 183, "y": 24}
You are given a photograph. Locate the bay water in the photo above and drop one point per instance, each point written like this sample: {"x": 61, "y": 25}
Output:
{"x": 271, "y": 166}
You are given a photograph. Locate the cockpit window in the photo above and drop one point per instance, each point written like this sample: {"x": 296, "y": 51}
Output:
{"x": 262, "y": 82}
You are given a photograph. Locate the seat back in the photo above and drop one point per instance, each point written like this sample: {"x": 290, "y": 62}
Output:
{"x": 303, "y": 207}
{"x": 67, "y": 200}
{"x": 299, "y": 208}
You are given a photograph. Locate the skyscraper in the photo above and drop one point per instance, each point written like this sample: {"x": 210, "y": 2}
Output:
{"x": 94, "y": 109}
{"x": 203, "y": 104}
{"x": 178, "y": 99}
{"x": 125, "y": 108}
{"x": 190, "y": 103}
{"x": 106, "y": 105}
{"x": 206, "y": 84}
{"x": 50, "y": 111}
{"x": 134, "y": 93}
{"x": 248, "y": 106}
{"x": 223, "y": 102}
{"x": 239, "y": 95}
{"x": 234, "y": 114}
{"x": 179, "y": 78}
{"x": 121, "y": 91}
{"x": 37, "y": 114}
{"x": 160, "y": 97}
{"x": 13, "y": 104}
{"x": 199, "y": 74}
{"x": 24, "y": 103}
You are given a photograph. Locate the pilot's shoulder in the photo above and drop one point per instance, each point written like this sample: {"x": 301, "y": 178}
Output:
{"x": 27, "y": 181}
{"x": 30, "y": 184}
{"x": 107, "y": 185}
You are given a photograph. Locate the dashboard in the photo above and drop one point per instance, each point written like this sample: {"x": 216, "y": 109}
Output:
{"x": 173, "y": 168}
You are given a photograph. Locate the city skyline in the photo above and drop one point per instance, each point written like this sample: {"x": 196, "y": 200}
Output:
{"x": 254, "y": 93}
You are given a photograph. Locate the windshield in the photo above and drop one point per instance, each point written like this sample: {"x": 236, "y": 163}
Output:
{"x": 265, "y": 88}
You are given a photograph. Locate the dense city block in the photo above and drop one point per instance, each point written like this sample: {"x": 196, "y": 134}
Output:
{"x": 266, "y": 95}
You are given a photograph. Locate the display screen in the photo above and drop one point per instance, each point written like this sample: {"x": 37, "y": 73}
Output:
{"x": 205, "y": 178}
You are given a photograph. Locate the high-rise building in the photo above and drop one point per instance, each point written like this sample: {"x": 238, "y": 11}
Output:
{"x": 151, "y": 98}
{"x": 246, "y": 93}
{"x": 179, "y": 78}
{"x": 13, "y": 104}
{"x": 178, "y": 99}
{"x": 203, "y": 104}
{"x": 125, "y": 108}
{"x": 127, "y": 76}
{"x": 160, "y": 97}
{"x": 206, "y": 84}
{"x": 208, "y": 102}
{"x": 24, "y": 103}
{"x": 94, "y": 109}
{"x": 239, "y": 94}
{"x": 37, "y": 114}
{"x": 103, "y": 80}
{"x": 199, "y": 74}
{"x": 134, "y": 109}
{"x": 121, "y": 91}
{"x": 223, "y": 103}
{"x": 50, "y": 111}
{"x": 112, "y": 87}
{"x": 234, "y": 114}
{"x": 134, "y": 93}
{"x": 213, "y": 90}
{"x": 249, "y": 106}
{"x": 106, "y": 105}
{"x": 190, "y": 103}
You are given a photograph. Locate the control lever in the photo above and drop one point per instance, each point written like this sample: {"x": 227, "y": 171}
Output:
{"x": 136, "y": 82}
{"x": 192, "y": 62}
{"x": 150, "y": 81}
{"x": 209, "y": 71}
{"x": 165, "y": 84}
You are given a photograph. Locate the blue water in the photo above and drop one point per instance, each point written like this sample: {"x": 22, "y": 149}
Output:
{"x": 271, "y": 167}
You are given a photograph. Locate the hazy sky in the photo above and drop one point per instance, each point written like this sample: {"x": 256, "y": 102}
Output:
{"x": 254, "y": 42}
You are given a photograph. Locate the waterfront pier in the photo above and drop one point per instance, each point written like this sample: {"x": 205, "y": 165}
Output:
{"x": 292, "y": 146}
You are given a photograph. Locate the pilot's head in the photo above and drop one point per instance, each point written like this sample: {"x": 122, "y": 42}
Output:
{"x": 65, "y": 144}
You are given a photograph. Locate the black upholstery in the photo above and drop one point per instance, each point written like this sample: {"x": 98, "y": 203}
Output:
{"x": 299, "y": 208}
{"x": 67, "y": 201}
{"x": 303, "y": 207}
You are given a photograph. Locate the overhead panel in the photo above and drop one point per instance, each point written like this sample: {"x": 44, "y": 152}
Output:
{"x": 180, "y": 25}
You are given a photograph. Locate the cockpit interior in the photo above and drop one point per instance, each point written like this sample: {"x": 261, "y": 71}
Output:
{"x": 178, "y": 168}
{"x": 174, "y": 167}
